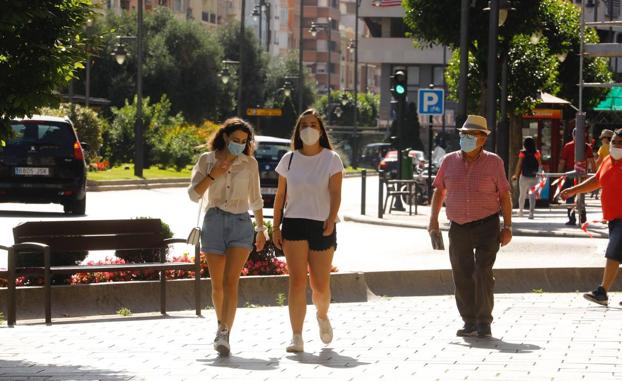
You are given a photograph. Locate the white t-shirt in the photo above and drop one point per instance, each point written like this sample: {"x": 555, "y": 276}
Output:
{"x": 307, "y": 183}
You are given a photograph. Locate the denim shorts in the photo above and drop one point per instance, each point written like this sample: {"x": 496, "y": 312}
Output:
{"x": 302, "y": 229}
{"x": 222, "y": 230}
{"x": 614, "y": 248}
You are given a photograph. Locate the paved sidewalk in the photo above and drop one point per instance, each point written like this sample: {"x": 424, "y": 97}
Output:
{"x": 536, "y": 337}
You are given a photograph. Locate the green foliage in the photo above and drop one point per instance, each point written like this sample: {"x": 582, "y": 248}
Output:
{"x": 124, "y": 311}
{"x": 176, "y": 148}
{"x": 278, "y": 69}
{"x": 532, "y": 66}
{"x": 119, "y": 139}
{"x": 368, "y": 105}
{"x": 41, "y": 47}
{"x": 181, "y": 60}
{"x": 280, "y": 299}
{"x": 2, "y": 321}
{"x": 145, "y": 255}
{"x": 88, "y": 124}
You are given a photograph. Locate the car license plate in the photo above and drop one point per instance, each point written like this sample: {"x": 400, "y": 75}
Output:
{"x": 32, "y": 171}
{"x": 268, "y": 190}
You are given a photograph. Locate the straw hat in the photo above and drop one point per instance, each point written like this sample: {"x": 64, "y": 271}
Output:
{"x": 475, "y": 123}
{"x": 606, "y": 134}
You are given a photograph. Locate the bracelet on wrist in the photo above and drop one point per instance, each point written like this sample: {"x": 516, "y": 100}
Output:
{"x": 260, "y": 228}
{"x": 507, "y": 227}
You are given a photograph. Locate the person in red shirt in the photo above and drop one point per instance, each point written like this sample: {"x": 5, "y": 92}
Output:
{"x": 475, "y": 189}
{"x": 567, "y": 164}
{"x": 529, "y": 163}
{"x": 609, "y": 180}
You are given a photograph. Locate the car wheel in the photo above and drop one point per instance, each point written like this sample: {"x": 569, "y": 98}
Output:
{"x": 77, "y": 207}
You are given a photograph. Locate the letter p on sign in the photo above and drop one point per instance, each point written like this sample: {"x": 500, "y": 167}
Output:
{"x": 431, "y": 101}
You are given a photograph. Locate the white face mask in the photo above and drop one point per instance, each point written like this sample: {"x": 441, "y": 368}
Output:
{"x": 309, "y": 136}
{"x": 615, "y": 152}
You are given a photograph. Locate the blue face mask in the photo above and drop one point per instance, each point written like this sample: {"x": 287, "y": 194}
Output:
{"x": 468, "y": 143}
{"x": 236, "y": 148}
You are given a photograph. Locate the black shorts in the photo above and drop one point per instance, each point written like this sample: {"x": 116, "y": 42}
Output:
{"x": 614, "y": 248}
{"x": 302, "y": 229}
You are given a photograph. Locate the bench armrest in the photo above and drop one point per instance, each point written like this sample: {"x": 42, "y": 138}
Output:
{"x": 31, "y": 245}
{"x": 5, "y": 248}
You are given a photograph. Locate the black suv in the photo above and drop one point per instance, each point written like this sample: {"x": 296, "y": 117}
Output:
{"x": 268, "y": 152}
{"x": 43, "y": 162}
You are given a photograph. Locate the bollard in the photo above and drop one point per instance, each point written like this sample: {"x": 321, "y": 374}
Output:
{"x": 363, "y": 190}
{"x": 380, "y": 193}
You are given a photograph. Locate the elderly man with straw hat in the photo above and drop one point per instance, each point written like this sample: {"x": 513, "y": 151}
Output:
{"x": 474, "y": 186}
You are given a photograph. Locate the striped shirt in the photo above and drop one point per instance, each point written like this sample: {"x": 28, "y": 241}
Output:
{"x": 473, "y": 189}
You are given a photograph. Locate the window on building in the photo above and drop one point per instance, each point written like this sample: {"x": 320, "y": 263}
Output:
{"x": 398, "y": 28}
{"x": 125, "y": 4}
{"x": 413, "y": 75}
{"x": 322, "y": 45}
{"x": 177, "y": 6}
{"x": 438, "y": 75}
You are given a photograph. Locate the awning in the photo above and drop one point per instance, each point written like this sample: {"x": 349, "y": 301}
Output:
{"x": 552, "y": 99}
{"x": 613, "y": 101}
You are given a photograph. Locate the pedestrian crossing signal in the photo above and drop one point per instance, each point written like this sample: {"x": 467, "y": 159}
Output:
{"x": 398, "y": 84}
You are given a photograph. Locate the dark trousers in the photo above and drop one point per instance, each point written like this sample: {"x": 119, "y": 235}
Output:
{"x": 473, "y": 249}
{"x": 569, "y": 182}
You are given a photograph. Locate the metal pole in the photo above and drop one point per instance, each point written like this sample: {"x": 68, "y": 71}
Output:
{"x": 268, "y": 31}
{"x": 87, "y": 89}
{"x": 329, "y": 26}
{"x": 503, "y": 136}
{"x": 464, "y": 58}
{"x": 430, "y": 137}
{"x": 380, "y": 193}
{"x": 242, "y": 46}
{"x": 301, "y": 78}
{"x": 355, "y": 154}
{"x": 400, "y": 118}
{"x": 260, "y": 19}
{"x": 579, "y": 147}
{"x": 363, "y": 190}
{"x": 138, "y": 159}
{"x": 491, "y": 108}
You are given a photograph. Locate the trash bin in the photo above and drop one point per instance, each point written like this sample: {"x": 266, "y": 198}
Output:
{"x": 406, "y": 172}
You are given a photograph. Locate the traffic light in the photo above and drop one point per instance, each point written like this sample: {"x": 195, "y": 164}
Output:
{"x": 398, "y": 84}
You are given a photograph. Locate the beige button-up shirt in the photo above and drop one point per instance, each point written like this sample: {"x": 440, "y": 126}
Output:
{"x": 237, "y": 191}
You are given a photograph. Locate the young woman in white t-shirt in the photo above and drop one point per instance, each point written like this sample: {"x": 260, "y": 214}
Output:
{"x": 310, "y": 188}
{"x": 227, "y": 180}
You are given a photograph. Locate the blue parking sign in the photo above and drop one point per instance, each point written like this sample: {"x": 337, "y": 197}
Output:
{"x": 431, "y": 101}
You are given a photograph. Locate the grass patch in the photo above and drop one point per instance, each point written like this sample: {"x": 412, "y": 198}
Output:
{"x": 349, "y": 169}
{"x": 124, "y": 311}
{"x": 280, "y": 299}
{"x": 537, "y": 290}
{"x": 2, "y": 319}
{"x": 126, "y": 172}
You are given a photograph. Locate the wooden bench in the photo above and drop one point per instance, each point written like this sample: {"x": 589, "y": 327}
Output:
{"x": 49, "y": 237}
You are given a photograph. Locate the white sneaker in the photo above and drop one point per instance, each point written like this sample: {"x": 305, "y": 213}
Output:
{"x": 326, "y": 331}
{"x": 520, "y": 213}
{"x": 221, "y": 342}
{"x": 296, "y": 345}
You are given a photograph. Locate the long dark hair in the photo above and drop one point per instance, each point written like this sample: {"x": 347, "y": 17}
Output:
{"x": 530, "y": 144}
{"x": 297, "y": 142}
{"x": 228, "y": 127}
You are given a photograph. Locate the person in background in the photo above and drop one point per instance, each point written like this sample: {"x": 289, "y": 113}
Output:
{"x": 603, "y": 151}
{"x": 529, "y": 163}
{"x": 226, "y": 179}
{"x": 473, "y": 184}
{"x": 566, "y": 164}
{"x": 306, "y": 205}
{"x": 609, "y": 179}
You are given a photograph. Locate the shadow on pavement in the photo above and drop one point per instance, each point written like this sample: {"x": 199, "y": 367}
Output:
{"x": 237, "y": 362}
{"x": 15, "y": 370}
{"x": 498, "y": 344}
{"x": 328, "y": 358}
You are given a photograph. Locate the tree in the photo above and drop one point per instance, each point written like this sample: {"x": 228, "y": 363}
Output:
{"x": 41, "y": 47}
{"x": 278, "y": 69}
{"x": 533, "y": 65}
{"x": 181, "y": 60}
{"x": 367, "y": 105}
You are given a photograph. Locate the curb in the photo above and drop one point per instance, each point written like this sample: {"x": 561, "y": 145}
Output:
{"x": 516, "y": 231}
{"x": 120, "y": 185}
{"x": 141, "y": 297}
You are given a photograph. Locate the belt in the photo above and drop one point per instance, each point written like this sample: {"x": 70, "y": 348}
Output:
{"x": 478, "y": 222}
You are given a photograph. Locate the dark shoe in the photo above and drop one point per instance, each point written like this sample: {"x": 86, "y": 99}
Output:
{"x": 469, "y": 329}
{"x": 483, "y": 330}
{"x": 598, "y": 296}
{"x": 571, "y": 223}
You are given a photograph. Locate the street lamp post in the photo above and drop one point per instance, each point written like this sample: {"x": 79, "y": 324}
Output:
{"x": 301, "y": 77}
{"x": 327, "y": 27}
{"x": 464, "y": 62}
{"x": 241, "y": 62}
{"x": 491, "y": 108}
{"x": 257, "y": 14}
{"x": 120, "y": 54}
{"x": 355, "y": 154}
{"x": 225, "y": 76}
